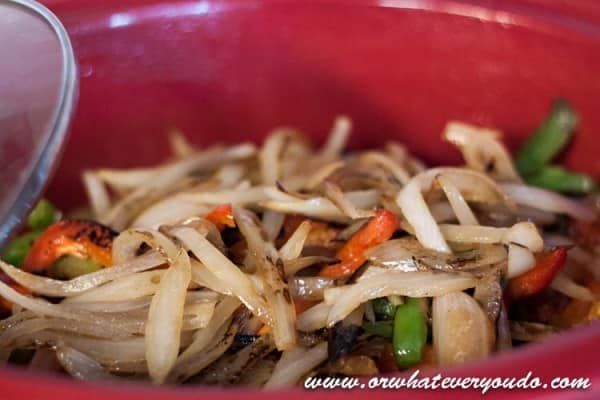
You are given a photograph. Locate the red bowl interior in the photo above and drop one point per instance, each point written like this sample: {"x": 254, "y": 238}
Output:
{"x": 225, "y": 71}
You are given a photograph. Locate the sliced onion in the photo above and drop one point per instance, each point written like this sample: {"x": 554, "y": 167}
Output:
{"x": 272, "y": 222}
{"x": 322, "y": 173}
{"x": 113, "y": 325}
{"x": 34, "y": 325}
{"x": 180, "y": 146}
{"x": 106, "y": 352}
{"x": 202, "y": 338}
{"x": 282, "y": 193}
{"x": 398, "y": 254}
{"x": 414, "y": 284}
{"x": 520, "y": 260}
{"x": 165, "y": 318}
{"x": 115, "y": 355}
{"x": 169, "y": 211}
{"x": 295, "y": 154}
{"x": 472, "y": 234}
{"x": 294, "y": 157}
{"x": 370, "y": 272}
{"x": 127, "y": 245}
{"x": 15, "y": 319}
{"x": 345, "y": 234}
{"x": 314, "y": 318}
{"x": 295, "y": 265}
{"x": 197, "y": 315}
{"x": 472, "y": 185}
{"x": 268, "y": 157}
{"x": 322, "y": 208}
{"x": 334, "y": 193}
{"x": 205, "y": 228}
{"x": 276, "y": 291}
{"x": 462, "y": 210}
{"x": 228, "y": 369}
{"x": 482, "y": 150}
{"x": 565, "y": 285}
{"x": 230, "y": 175}
{"x": 294, "y": 364}
{"x": 336, "y": 142}
{"x": 489, "y": 293}
{"x": 525, "y": 234}
{"x": 203, "y": 277}
{"x": 407, "y": 254}
{"x": 399, "y": 153}
{"x": 97, "y": 194}
{"x": 130, "y": 205}
{"x": 240, "y": 197}
{"x": 442, "y": 212}
{"x": 309, "y": 287}
{"x": 401, "y": 175}
{"x": 417, "y": 214}
{"x": 126, "y": 288}
{"x": 113, "y": 306}
{"x": 546, "y": 200}
{"x": 81, "y": 366}
{"x": 462, "y": 332}
{"x": 222, "y": 339}
{"x": 224, "y": 270}
{"x": 44, "y": 308}
{"x": 201, "y": 296}
{"x": 522, "y": 233}
{"x": 134, "y": 369}
{"x": 124, "y": 180}
{"x": 293, "y": 247}
{"x": 51, "y": 287}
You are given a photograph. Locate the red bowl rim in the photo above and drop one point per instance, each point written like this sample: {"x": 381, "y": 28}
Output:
{"x": 546, "y": 11}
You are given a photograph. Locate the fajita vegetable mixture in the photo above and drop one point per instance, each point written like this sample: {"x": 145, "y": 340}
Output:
{"x": 262, "y": 266}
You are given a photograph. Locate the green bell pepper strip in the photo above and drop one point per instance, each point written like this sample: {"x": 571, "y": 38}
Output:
{"x": 42, "y": 216}
{"x": 379, "y": 328}
{"x": 559, "y": 179}
{"x": 410, "y": 333}
{"x": 17, "y": 249}
{"x": 69, "y": 267}
{"x": 384, "y": 308}
{"x": 548, "y": 140}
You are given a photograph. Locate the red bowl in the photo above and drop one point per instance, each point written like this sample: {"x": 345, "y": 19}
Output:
{"x": 226, "y": 70}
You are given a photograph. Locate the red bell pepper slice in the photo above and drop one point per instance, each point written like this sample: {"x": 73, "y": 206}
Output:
{"x": 221, "y": 216}
{"x": 82, "y": 239}
{"x": 547, "y": 266}
{"x": 352, "y": 255}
